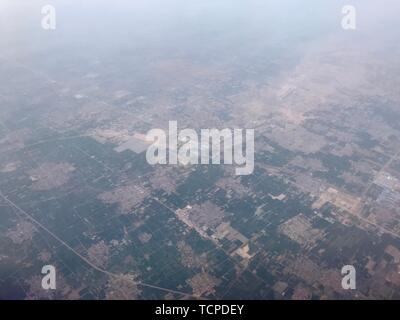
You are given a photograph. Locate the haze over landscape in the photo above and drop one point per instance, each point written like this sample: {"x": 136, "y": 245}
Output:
{"x": 76, "y": 189}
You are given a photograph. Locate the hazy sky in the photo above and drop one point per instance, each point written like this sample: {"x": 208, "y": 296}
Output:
{"x": 219, "y": 26}
{"x": 20, "y": 18}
